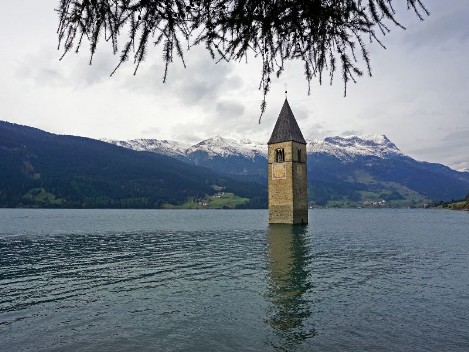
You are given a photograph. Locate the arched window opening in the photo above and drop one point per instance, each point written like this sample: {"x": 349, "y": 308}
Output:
{"x": 299, "y": 154}
{"x": 279, "y": 155}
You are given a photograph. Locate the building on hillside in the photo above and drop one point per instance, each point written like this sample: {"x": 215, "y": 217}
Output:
{"x": 288, "y": 194}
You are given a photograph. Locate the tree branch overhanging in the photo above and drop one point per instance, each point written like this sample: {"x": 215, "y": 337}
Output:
{"x": 324, "y": 34}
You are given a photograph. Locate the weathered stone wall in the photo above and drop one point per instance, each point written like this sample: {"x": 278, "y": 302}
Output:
{"x": 300, "y": 185}
{"x": 288, "y": 200}
{"x": 280, "y": 188}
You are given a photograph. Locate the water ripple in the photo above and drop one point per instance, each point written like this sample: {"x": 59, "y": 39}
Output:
{"x": 348, "y": 281}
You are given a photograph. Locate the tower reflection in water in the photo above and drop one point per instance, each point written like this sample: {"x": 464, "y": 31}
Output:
{"x": 290, "y": 312}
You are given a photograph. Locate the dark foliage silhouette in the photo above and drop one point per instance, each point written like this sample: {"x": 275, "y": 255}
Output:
{"x": 326, "y": 35}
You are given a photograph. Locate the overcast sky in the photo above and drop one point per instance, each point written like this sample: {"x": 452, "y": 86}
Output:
{"x": 418, "y": 95}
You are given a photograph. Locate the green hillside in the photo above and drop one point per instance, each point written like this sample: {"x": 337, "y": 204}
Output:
{"x": 40, "y": 169}
{"x": 459, "y": 205}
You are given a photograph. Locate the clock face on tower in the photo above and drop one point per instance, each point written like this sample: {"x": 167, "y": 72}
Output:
{"x": 278, "y": 170}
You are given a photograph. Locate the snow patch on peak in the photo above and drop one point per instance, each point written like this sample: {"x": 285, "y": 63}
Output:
{"x": 345, "y": 148}
{"x": 258, "y": 147}
{"x": 464, "y": 169}
{"x": 165, "y": 147}
{"x": 349, "y": 147}
{"x": 219, "y": 146}
{"x": 370, "y": 140}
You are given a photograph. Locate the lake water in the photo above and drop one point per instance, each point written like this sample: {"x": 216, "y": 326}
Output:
{"x": 224, "y": 280}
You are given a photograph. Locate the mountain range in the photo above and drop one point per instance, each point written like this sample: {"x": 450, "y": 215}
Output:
{"x": 41, "y": 169}
{"x": 342, "y": 171}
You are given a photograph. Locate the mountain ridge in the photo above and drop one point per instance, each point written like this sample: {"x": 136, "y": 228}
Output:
{"x": 377, "y": 145}
{"x": 339, "y": 168}
{"x": 39, "y": 168}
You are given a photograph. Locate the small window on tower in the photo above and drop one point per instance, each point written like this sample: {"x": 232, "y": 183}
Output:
{"x": 299, "y": 154}
{"x": 279, "y": 155}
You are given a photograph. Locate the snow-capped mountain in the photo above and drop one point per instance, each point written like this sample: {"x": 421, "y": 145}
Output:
{"x": 165, "y": 147}
{"x": 348, "y": 148}
{"x": 229, "y": 156}
{"x": 213, "y": 147}
{"x": 341, "y": 171}
{"x": 219, "y": 146}
{"x": 343, "y": 148}
{"x": 338, "y": 167}
{"x": 249, "y": 158}
{"x": 464, "y": 170}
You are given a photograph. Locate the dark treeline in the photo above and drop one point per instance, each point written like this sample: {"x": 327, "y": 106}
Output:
{"x": 47, "y": 170}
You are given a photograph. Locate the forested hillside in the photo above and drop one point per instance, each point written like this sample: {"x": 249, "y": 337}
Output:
{"x": 342, "y": 171}
{"x": 40, "y": 169}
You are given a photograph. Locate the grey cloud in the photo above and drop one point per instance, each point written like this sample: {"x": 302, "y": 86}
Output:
{"x": 444, "y": 24}
{"x": 151, "y": 131}
{"x": 147, "y": 80}
{"x": 47, "y": 76}
{"x": 100, "y": 70}
{"x": 42, "y": 72}
{"x": 229, "y": 109}
{"x": 307, "y": 118}
{"x": 193, "y": 132}
{"x": 451, "y": 149}
{"x": 458, "y": 138}
{"x": 45, "y": 69}
{"x": 351, "y": 133}
{"x": 203, "y": 90}
{"x": 316, "y": 131}
{"x": 454, "y": 143}
{"x": 301, "y": 114}
{"x": 459, "y": 165}
{"x": 189, "y": 138}
{"x": 201, "y": 82}
{"x": 195, "y": 91}
{"x": 438, "y": 146}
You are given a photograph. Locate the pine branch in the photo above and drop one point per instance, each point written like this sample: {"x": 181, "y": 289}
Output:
{"x": 323, "y": 34}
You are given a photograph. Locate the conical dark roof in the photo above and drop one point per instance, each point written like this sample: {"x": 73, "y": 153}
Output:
{"x": 286, "y": 129}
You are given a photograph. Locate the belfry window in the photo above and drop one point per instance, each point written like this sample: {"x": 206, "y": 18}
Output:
{"x": 299, "y": 154}
{"x": 279, "y": 155}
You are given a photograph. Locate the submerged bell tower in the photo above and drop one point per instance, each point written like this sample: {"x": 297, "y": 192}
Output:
{"x": 288, "y": 194}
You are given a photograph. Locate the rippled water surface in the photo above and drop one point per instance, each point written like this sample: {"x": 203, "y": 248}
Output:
{"x": 214, "y": 280}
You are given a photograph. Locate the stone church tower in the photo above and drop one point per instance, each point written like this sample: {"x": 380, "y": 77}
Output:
{"x": 288, "y": 195}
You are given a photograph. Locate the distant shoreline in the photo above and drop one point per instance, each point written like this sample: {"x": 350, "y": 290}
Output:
{"x": 176, "y": 208}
